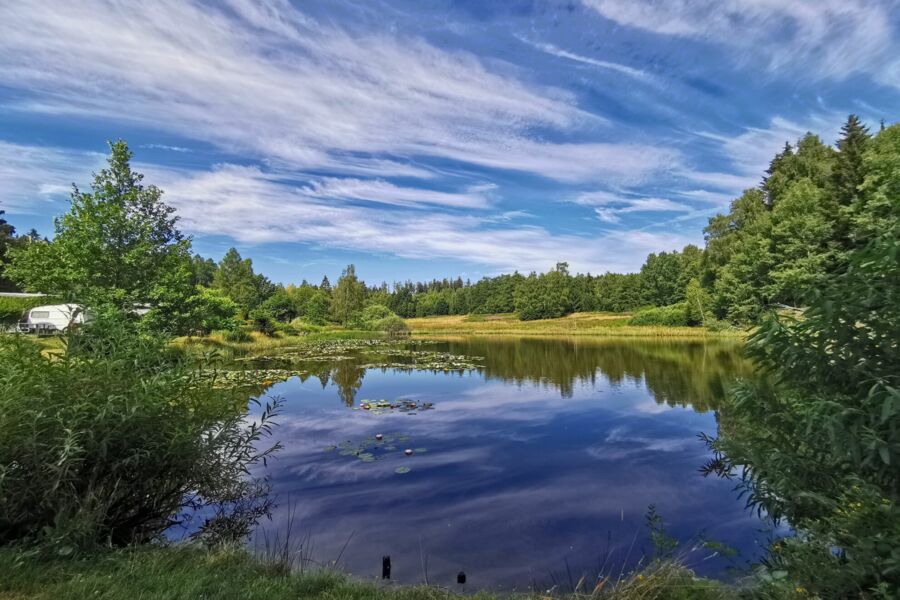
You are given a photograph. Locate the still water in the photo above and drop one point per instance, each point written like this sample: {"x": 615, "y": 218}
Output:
{"x": 540, "y": 463}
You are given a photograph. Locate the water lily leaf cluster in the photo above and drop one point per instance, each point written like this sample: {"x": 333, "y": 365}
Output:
{"x": 402, "y": 405}
{"x": 380, "y": 447}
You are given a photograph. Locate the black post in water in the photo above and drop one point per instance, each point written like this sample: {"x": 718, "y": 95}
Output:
{"x": 385, "y": 567}
{"x": 461, "y": 578}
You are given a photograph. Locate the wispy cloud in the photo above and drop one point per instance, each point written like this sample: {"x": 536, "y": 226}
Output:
{"x": 609, "y": 206}
{"x": 166, "y": 147}
{"x": 267, "y": 79}
{"x": 379, "y": 191}
{"x": 810, "y": 38}
{"x": 32, "y": 176}
{"x": 247, "y": 205}
{"x": 587, "y": 60}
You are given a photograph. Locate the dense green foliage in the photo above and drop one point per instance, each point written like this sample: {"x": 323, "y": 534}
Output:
{"x": 109, "y": 442}
{"x": 13, "y": 308}
{"x": 674, "y": 315}
{"x": 348, "y": 296}
{"x": 545, "y": 296}
{"x": 236, "y": 279}
{"x": 819, "y": 444}
{"x": 116, "y": 247}
{"x": 9, "y": 240}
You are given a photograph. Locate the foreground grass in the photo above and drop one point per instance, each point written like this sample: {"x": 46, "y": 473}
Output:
{"x": 589, "y": 324}
{"x": 194, "y": 573}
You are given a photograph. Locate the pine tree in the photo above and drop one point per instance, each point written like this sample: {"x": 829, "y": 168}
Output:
{"x": 771, "y": 183}
{"x": 847, "y": 176}
{"x": 848, "y": 172}
{"x": 325, "y": 286}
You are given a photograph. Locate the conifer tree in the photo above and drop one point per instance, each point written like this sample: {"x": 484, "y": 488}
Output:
{"x": 849, "y": 174}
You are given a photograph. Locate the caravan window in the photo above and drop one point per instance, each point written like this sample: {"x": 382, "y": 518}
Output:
{"x": 40, "y": 314}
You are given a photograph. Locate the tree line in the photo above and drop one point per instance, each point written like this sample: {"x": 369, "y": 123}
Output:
{"x": 119, "y": 245}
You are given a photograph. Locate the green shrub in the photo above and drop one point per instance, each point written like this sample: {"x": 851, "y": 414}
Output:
{"x": 110, "y": 442}
{"x": 304, "y": 327}
{"x": 280, "y": 306}
{"x": 12, "y": 309}
{"x": 263, "y": 322}
{"x": 392, "y": 325}
{"x": 817, "y": 442}
{"x": 374, "y": 312}
{"x": 285, "y": 328}
{"x": 377, "y": 317}
{"x": 239, "y": 336}
{"x": 674, "y": 315}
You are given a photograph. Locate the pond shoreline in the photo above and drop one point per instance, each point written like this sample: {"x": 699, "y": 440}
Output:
{"x": 590, "y": 324}
{"x": 192, "y": 571}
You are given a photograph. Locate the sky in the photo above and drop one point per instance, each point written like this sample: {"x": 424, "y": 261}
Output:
{"x": 423, "y": 139}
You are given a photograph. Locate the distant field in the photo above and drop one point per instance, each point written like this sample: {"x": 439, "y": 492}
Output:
{"x": 588, "y": 323}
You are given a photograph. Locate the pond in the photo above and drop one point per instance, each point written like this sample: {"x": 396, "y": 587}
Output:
{"x": 533, "y": 461}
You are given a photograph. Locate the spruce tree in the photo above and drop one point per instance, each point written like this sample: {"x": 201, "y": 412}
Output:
{"x": 848, "y": 173}
{"x": 771, "y": 183}
{"x": 847, "y": 176}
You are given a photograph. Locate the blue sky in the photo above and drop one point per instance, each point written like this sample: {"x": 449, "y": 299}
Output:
{"x": 428, "y": 138}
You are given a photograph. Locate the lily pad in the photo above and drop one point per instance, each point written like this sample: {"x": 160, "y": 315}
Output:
{"x": 401, "y": 470}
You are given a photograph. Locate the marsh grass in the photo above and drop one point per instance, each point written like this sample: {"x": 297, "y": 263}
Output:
{"x": 587, "y": 324}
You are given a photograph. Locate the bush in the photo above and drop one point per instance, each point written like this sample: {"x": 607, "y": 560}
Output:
{"x": 393, "y": 325}
{"x": 377, "y": 317}
{"x": 280, "y": 306}
{"x": 110, "y": 442}
{"x": 263, "y": 322}
{"x": 374, "y": 312}
{"x": 674, "y": 315}
{"x": 817, "y": 442}
{"x": 239, "y": 336}
{"x": 303, "y": 327}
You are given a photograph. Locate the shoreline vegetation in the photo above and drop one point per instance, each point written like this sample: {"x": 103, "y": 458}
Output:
{"x": 577, "y": 324}
{"x": 192, "y": 571}
{"x": 605, "y": 324}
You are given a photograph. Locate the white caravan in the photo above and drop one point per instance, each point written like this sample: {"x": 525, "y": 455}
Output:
{"x": 52, "y": 317}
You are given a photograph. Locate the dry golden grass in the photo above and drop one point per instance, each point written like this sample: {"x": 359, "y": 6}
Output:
{"x": 588, "y": 323}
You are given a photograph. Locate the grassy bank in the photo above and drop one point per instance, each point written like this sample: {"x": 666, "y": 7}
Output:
{"x": 262, "y": 343}
{"x": 193, "y": 573}
{"x": 589, "y": 324}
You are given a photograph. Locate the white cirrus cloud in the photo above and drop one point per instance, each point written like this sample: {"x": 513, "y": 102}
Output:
{"x": 265, "y": 79}
{"x": 33, "y": 177}
{"x": 817, "y": 38}
{"x": 254, "y": 206}
{"x": 380, "y": 191}
{"x": 586, "y": 60}
{"x": 250, "y": 206}
{"x": 609, "y": 206}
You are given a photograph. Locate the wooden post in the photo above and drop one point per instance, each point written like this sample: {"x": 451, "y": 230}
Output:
{"x": 385, "y": 567}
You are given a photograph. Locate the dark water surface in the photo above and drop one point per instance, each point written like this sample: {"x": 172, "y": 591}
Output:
{"x": 541, "y": 463}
